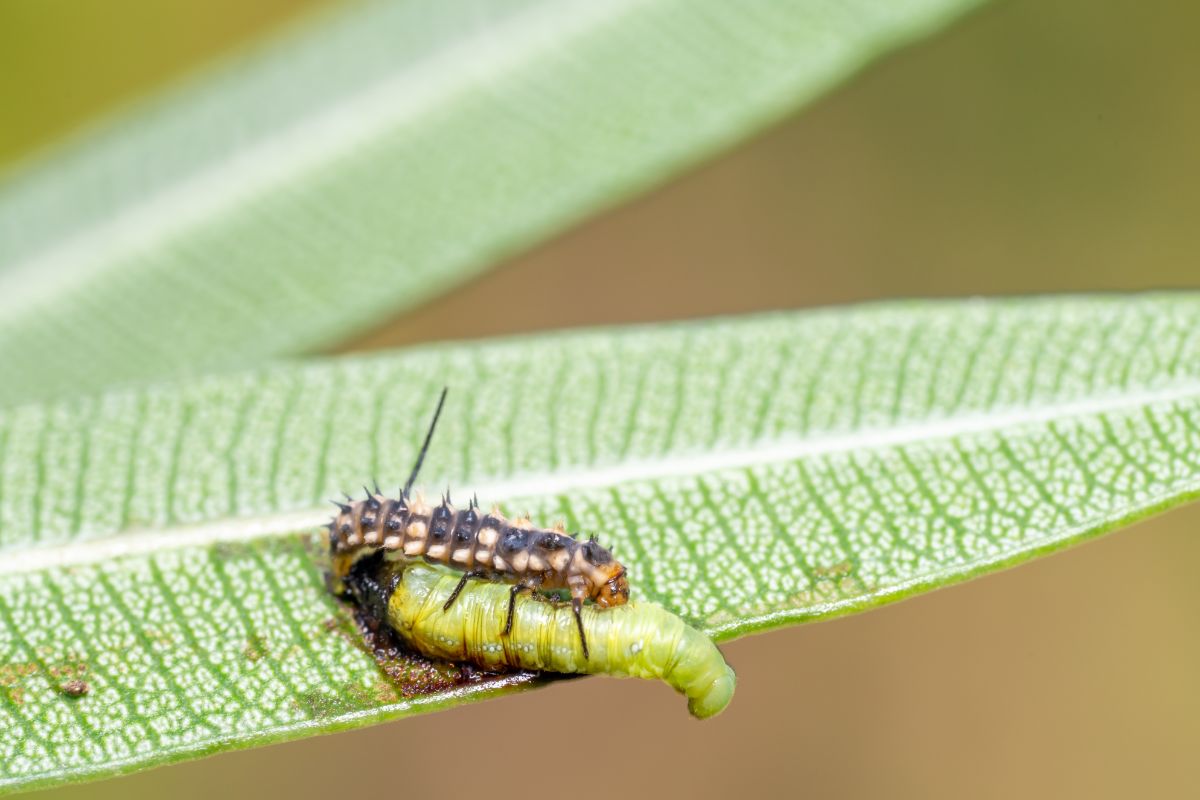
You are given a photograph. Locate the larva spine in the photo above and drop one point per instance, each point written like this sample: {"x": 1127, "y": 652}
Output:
{"x": 638, "y": 639}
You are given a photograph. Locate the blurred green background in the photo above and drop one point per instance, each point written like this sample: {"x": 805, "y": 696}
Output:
{"x": 1035, "y": 147}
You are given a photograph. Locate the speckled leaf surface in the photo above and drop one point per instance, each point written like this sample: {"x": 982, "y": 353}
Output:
{"x": 753, "y": 472}
{"x": 377, "y": 156}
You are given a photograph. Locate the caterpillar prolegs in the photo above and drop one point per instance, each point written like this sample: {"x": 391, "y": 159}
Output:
{"x": 638, "y": 639}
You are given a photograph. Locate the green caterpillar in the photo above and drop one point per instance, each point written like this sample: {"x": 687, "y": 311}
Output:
{"x": 639, "y": 639}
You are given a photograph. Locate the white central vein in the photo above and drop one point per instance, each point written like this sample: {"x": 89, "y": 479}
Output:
{"x": 581, "y": 479}
{"x": 284, "y": 156}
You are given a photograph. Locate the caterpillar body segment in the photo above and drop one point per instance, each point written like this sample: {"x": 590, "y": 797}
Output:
{"x": 636, "y": 639}
{"x": 478, "y": 544}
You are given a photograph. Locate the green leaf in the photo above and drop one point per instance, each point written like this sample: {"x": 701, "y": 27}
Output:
{"x": 363, "y": 164}
{"x": 751, "y": 473}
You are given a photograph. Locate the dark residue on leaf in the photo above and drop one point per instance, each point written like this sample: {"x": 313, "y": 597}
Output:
{"x": 408, "y": 674}
{"x": 839, "y": 570}
{"x": 256, "y": 648}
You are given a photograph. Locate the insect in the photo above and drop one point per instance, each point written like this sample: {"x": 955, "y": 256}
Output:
{"x": 638, "y": 639}
{"x": 480, "y": 545}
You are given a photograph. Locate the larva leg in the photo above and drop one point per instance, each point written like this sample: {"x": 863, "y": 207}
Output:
{"x": 577, "y": 607}
{"x": 458, "y": 589}
{"x": 529, "y": 584}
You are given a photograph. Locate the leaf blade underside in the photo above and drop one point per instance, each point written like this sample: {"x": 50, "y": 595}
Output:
{"x": 750, "y": 472}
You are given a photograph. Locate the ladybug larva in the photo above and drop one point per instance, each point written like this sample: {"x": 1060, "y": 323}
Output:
{"x": 637, "y": 639}
{"x": 480, "y": 545}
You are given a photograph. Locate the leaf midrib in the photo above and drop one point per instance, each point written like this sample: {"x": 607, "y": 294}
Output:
{"x": 242, "y": 529}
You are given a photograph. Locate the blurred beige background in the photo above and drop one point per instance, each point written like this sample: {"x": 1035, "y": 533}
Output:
{"x": 1040, "y": 145}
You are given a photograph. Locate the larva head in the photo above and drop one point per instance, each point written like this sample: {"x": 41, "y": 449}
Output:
{"x": 614, "y": 591}
{"x": 609, "y": 586}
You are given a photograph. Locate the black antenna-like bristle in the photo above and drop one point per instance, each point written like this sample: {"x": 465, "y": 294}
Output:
{"x": 425, "y": 447}
{"x": 344, "y": 508}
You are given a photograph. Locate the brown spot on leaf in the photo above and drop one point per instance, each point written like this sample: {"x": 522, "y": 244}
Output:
{"x": 256, "y": 648}
{"x": 835, "y": 571}
{"x": 75, "y": 688}
{"x": 11, "y": 674}
{"x": 68, "y": 670}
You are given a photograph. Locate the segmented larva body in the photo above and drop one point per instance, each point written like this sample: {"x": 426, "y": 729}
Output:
{"x": 481, "y": 545}
{"x": 638, "y": 639}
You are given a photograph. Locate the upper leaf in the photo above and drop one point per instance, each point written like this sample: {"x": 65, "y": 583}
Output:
{"x": 750, "y": 473}
{"x": 372, "y": 159}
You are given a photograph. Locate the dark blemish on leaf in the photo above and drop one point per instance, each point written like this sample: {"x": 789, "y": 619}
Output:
{"x": 408, "y": 674}
{"x": 256, "y": 648}
{"x": 836, "y": 571}
{"x": 69, "y": 677}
